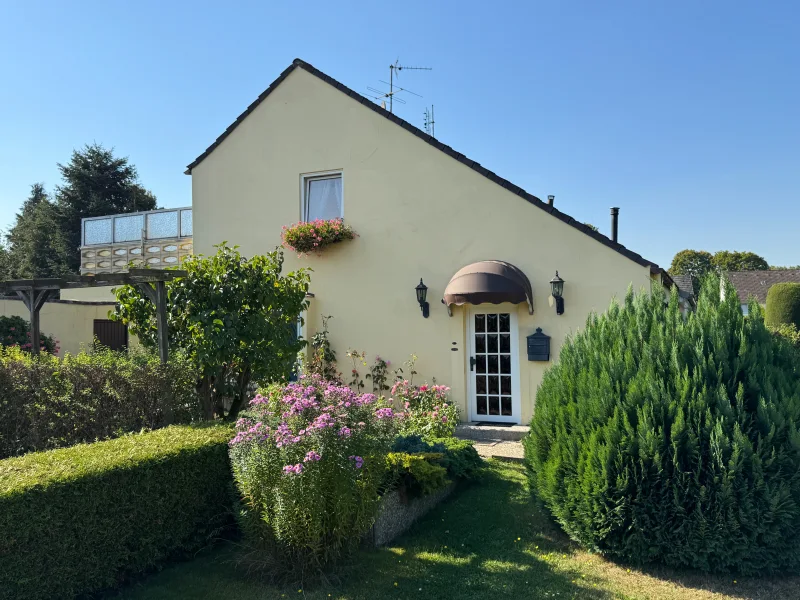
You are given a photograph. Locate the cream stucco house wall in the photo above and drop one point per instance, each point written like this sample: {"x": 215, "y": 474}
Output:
{"x": 421, "y": 211}
{"x": 71, "y": 322}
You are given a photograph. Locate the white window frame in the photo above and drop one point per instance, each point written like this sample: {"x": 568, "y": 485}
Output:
{"x": 305, "y": 178}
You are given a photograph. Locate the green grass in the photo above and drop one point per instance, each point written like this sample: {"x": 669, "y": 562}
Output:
{"x": 490, "y": 541}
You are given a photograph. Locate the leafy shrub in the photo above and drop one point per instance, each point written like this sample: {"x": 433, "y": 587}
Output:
{"x": 313, "y": 236}
{"x": 414, "y": 443}
{"x": 235, "y": 317}
{"x": 16, "y": 331}
{"x": 425, "y": 410}
{"x": 457, "y": 457}
{"x": 78, "y": 520}
{"x": 460, "y": 458}
{"x": 416, "y": 474}
{"x": 787, "y": 332}
{"x": 49, "y": 402}
{"x": 783, "y": 305}
{"x": 309, "y": 464}
{"x": 662, "y": 439}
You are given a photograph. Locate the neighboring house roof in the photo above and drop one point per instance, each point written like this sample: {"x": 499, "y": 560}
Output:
{"x": 757, "y": 283}
{"x": 298, "y": 63}
{"x": 684, "y": 284}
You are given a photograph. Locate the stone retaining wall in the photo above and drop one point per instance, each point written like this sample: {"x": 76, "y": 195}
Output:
{"x": 396, "y": 516}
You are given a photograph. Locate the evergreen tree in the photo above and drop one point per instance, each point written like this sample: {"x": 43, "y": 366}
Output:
{"x": 96, "y": 183}
{"x": 36, "y": 242}
{"x": 5, "y": 263}
{"x": 662, "y": 439}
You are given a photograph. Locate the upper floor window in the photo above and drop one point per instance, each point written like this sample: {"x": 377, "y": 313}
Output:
{"x": 322, "y": 196}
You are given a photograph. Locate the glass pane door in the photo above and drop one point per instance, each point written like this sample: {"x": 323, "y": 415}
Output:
{"x": 491, "y": 365}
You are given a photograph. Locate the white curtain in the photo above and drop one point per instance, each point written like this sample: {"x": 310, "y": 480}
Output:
{"x": 324, "y": 199}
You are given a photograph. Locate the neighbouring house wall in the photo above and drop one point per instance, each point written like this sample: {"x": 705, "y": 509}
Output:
{"x": 71, "y": 323}
{"x": 418, "y": 212}
{"x": 90, "y": 294}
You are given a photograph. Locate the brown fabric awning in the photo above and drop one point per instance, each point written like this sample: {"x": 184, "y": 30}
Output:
{"x": 492, "y": 281}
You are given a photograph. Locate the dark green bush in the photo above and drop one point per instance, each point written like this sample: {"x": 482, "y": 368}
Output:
{"x": 659, "y": 439}
{"x": 81, "y": 519}
{"x": 783, "y": 305}
{"x": 16, "y": 331}
{"x": 49, "y": 402}
{"x": 460, "y": 458}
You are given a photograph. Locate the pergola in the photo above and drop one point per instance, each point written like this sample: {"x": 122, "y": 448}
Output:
{"x": 35, "y": 292}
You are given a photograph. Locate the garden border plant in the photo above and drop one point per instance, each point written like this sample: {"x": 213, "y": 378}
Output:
{"x": 309, "y": 460}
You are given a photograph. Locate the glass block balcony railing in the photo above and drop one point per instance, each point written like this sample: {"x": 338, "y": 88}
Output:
{"x": 157, "y": 238}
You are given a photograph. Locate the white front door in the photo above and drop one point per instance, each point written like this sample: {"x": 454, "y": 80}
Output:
{"x": 493, "y": 364}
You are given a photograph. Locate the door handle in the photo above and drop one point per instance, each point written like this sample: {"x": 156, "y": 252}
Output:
{"x": 472, "y": 361}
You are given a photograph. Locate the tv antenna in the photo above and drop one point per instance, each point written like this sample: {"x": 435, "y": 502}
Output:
{"x": 430, "y": 128}
{"x": 394, "y": 73}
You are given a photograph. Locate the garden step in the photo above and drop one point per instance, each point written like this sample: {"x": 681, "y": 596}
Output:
{"x": 488, "y": 432}
{"x": 503, "y": 450}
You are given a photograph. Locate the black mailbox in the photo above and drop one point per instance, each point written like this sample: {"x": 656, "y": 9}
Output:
{"x": 538, "y": 346}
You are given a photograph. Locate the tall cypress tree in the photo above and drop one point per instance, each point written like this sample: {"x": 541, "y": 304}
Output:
{"x": 662, "y": 439}
{"x": 96, "y": 183}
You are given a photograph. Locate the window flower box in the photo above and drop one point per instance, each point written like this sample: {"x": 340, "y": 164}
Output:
{"x": 312, "y": 236}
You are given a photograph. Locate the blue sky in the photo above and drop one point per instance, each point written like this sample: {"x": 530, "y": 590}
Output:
{"x": 684, "y": 114}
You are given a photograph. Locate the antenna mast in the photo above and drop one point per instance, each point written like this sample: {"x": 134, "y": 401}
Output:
{"x": 430, "y": 124}
{"x": 398, "y": 67}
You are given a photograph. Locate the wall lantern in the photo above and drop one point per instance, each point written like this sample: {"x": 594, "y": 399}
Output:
{"x": 557, "y": 289}
{"x": 422, "y": 294}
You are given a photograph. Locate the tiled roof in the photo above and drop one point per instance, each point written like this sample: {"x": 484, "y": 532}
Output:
{"x": 475, "y": 166}
{"x": 684, "y": 283}
{"x": 757, "y": 283}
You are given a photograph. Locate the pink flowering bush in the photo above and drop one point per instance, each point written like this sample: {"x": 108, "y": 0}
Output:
{"x": 309, "y": 461}
{"x": 425, "y": 410}
{"x": 313, "y": 236}
{"x": 16, "y": 331}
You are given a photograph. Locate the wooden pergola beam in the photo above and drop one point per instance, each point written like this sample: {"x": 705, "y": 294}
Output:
{"x": 35, "y": 292}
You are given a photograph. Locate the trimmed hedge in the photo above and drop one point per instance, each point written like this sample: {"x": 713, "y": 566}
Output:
{"x": 81, "y": 519}
{"x": 783, "y": 305}
{"x": 48, "y": 402}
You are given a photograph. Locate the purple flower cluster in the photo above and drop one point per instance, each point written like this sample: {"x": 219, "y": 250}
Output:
{"x": 296, "y": 469}
{"x": 384, "y": 413}
{"x": 248, "y": 431}
{"x": 301, "y": 419}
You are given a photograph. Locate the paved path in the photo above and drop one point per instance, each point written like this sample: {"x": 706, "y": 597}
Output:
{"x": 504, "y": 450}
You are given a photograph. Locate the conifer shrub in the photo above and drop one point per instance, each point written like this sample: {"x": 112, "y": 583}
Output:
{"x": 659, "y": 439}
{"x": 783, "y": 305}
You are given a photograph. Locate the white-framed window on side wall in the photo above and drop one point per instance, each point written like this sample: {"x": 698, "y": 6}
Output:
{"x": 323, "y": 196}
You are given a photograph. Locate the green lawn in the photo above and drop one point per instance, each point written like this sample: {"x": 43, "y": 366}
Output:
{"x": 489, "y": 541}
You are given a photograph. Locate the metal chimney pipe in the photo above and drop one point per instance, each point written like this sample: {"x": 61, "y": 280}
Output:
{"x": 614, "y": 223}
{"x": 551, "y": 199}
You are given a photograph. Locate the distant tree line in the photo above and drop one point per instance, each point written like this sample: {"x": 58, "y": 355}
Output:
{"x": 699, "y": 263}
{"x": 46, "y": 234}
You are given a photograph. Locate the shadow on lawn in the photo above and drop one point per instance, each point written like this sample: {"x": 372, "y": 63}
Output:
{"x": 487, "y": 542}
{"x": 690, "y": 582}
